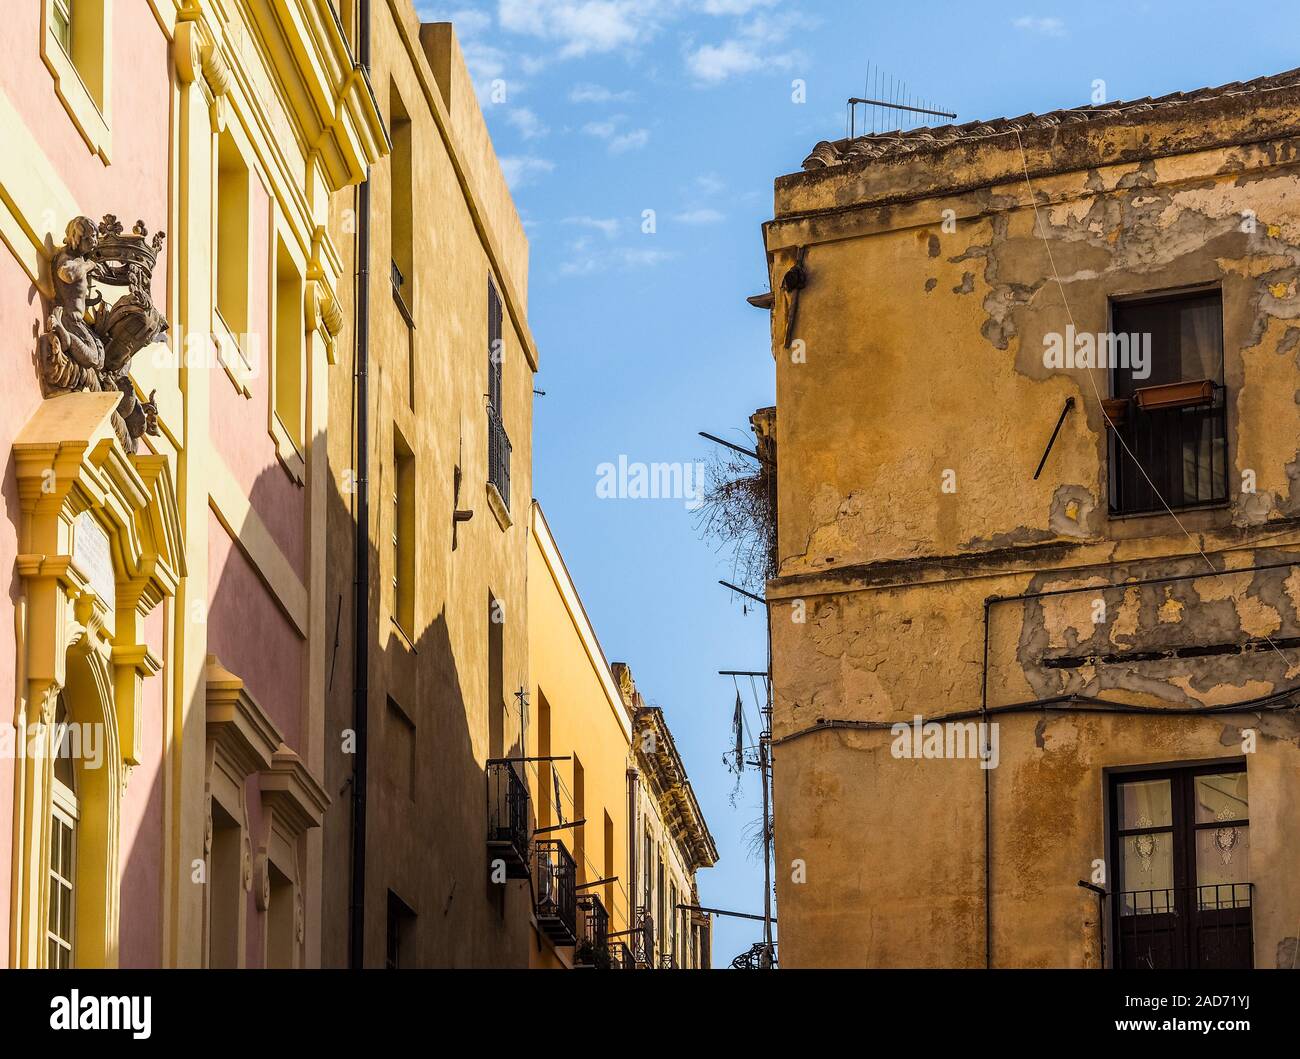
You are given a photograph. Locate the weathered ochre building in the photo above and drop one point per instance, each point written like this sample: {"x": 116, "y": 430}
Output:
{"x": 1122, "y": 615}
{"x": 448, "y": 365}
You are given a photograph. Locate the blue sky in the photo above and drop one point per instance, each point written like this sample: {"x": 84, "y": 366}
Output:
{"x": 615, "y": 107}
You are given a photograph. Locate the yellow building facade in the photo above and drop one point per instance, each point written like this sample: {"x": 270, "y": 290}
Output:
{"x": 618, "y": 834}
{"x": 1034, "y": 623}
{"x": 166, "y": 811}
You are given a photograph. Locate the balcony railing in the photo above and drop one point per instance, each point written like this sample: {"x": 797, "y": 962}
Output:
{"x": 498, "y": 455}
{"x": 593, "y": 933}
{"x": 1186, "y": 927}
{"x": 1183, "y": 451}
{"x": 555, "y": 880}
{"x": 643, "y": 939}
{"x": 507, "y": 806}
{"x": 620, "y": 957}
{"x": 668, "y": 961}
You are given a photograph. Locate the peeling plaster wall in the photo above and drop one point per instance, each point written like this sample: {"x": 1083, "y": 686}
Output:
{"x": 922, "y": 354}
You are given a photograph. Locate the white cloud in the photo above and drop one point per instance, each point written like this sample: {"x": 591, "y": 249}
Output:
{"x": 1047, "y": 27}
{"x": 484, "y": 61}
{"x": 643, "y": 258}
{"x": 607, "y": 226}
{"x": 700, "y": 216}
{"x": 709, "y": 183}
{"x": 584, "y": 261}
{"x": 521, "y": 170}
{"x": 585, "y": 27}
{"x": 714, "y": 63}
{"x": 750, "y": 49}
{"x": 467, "y": 21}
{"x": 629, "y": 141}
{"x": 734, "y": 7}
{"x": 528, "y": 124}
{"x": 589, "y": 93}
{"x": 619, "y": 142}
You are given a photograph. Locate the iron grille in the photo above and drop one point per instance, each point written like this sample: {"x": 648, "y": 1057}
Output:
{"x": 1186, "y": 927}
{"x": 498, "y": 455}
{"x": 1182, "y": 450}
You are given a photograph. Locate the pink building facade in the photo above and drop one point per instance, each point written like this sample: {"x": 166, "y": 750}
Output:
{"x": 165, "y": 625}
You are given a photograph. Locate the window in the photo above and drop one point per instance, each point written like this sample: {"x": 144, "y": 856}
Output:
{"x": 498, "y": 441}
{"x": 64, "y": 814}
{"x": 401, "y": 933}
{"x": 399, "y": 745}
{"x": 288, "y": 378}
{"x": 403, "y": 492}
{"x": 1169, "y": 405}
{"x": 647, "y": 899}
{"x": 580, "y": 813}
{"x": 225, "y": 890}
{"x": 661, "y": 894}
{"x": 281, "y": 934}
{"x": 1181, "y": 850}
{"x": 75, "y": 47}
{"x": 61, "y": 23}
{"x": 401, "y": 206}
{"x": 232, "y": 236}
{"x": 607, "y": 867}
{"x": 676, "y": 918}
{"x": 498, "y": 737}
{"x": 547, "y": 787}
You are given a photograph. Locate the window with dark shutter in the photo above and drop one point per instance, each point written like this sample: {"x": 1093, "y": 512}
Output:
{"x": 498, "y": 440}
{"x": 1169, "y": 415}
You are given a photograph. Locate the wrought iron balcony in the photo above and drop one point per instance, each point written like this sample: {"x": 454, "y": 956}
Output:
{"x": 620, "y": 957}
{"x": 498, "y": 454}
{"x": 555, "y": 878}
{"x": 668, "y": 961}
{"x": 507, "y": 806}
{"x": 593, "y": 933}
{"x": 1186, "y": 927}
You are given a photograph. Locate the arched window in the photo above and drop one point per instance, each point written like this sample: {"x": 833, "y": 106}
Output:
{"x": 64, "y": 813}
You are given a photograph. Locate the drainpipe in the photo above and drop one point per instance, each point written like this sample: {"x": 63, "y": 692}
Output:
{"x": 361, "y": 529}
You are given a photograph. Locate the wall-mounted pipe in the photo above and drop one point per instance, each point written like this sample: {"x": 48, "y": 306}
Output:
{"x": 361, "y": 551}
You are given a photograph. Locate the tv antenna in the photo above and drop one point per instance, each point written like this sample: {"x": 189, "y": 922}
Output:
{"x": 884, "y": 95}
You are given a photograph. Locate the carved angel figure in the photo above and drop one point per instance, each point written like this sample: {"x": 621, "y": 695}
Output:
{"x": 71, "y": 353}
{"x": 87, "y": 345}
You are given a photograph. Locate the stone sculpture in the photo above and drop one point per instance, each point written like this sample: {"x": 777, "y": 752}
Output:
{"x": 88, "y": 342}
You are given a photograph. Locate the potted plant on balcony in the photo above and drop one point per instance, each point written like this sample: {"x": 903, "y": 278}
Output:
{"x": 589, "y": 954}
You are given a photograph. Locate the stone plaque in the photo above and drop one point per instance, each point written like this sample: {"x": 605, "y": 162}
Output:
{"x": 92, "y": 555}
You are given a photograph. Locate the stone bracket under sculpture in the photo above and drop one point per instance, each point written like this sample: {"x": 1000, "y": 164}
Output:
{"x": 88, "y": 343}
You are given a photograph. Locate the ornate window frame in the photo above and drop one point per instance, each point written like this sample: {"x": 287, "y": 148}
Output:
{"x": 242, "y": 742}
{"x": 84, "y": 86}
{"x": 74, "y": 478}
